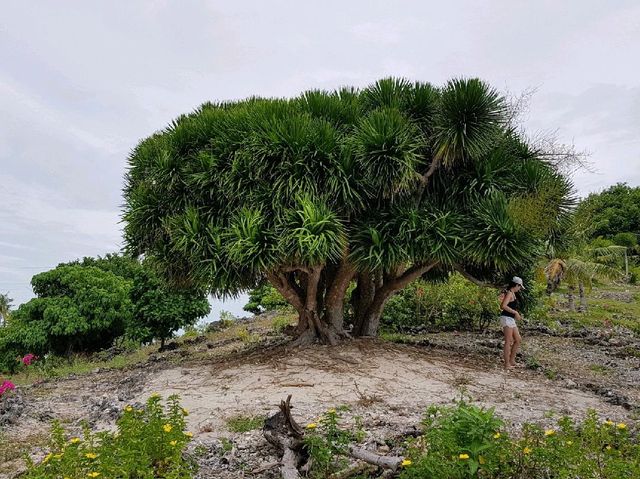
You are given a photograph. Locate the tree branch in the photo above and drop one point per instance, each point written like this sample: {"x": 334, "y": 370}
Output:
{"x": 409, "y": 275}
{"x": 473, "y": 279}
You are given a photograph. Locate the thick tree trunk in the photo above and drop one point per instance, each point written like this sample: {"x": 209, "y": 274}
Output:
{"x": 318, "y": 294}
{"x": 571, "y": 297}
{"x": 583, "y": 298}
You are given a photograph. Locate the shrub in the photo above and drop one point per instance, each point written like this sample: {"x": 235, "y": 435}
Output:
{"x": 148, "y": 444}
{"x": 455, "y": 304}
{"x": 265, "y": 298}
{"x": 280, "y": 323}
{"x": 245, "y": 423}
{"x": 467, "y": 442}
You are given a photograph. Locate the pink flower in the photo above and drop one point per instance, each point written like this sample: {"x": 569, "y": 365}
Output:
{"x": 6, "y": 386}
{"x": 28, "y": 359}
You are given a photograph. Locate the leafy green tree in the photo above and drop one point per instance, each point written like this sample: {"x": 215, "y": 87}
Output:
{"x": 614, "y": 210}
{"x": 158, "y": 309}
{"x": 264, "y": 298}
{"x": 378, "y": 187}
{"x": 76, "y": 309}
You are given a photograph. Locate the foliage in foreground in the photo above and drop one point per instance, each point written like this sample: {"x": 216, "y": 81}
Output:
{"x": 469, "y": 442}
{"x": 148, "y": 444}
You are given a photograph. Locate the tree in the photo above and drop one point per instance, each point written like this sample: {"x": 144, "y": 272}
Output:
{"x": 580, "y": 268}
{"x": 612, "y": 211}
{"x": 5, "y": 307}
{"x": 76, "y": 309}
{"x": 158, "y": 309}
{"x": 377, "y": 186}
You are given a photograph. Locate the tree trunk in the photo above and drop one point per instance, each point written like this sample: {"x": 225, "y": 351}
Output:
{"x": 318, "y": 293}
{"x": 571, "y": 298}
{"x": 583, "y": 298}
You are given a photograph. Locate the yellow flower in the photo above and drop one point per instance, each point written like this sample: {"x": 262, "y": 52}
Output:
{"x": 312, "y": 425}
{"x": 46, "y": 458}
{"x": 549, "y": 432}
{"x": 74, "y": 440}
{"x": 128, "y": 409}
{"x": 464, "y": 456}
{"x": 185, "y": 412}
{"x": 526, "y": 450}
{"x": 173, "y": 443}
{"x": 621, "y": 425}
{"x": 167, "y": 427}
{"x": 93, "y": 474}
{"x": 91, "y": 455}
{"x": 188, "y": 434}
{"x": 331, "y": 411}
{"x": 57, "y": 456}
{"x": 569, "y": 443}
{"x": 481, "y": 460}
{"x": 405, "y": 463}
{"x": 496, "y": 435}
{"x": 609, "y": 422}
{"x": 608, "y": 448}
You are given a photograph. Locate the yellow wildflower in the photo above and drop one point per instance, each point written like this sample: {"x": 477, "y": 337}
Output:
{"x": 526, "y": 450}
{"x": 57, "y": 456}
{"x": 185, "y": 412}
{"x": 609, "y": 422}
{"x": 74, "y": 440}
{"x": 496, "y": 435}
{"x": 128, "y": 409}
{"x": 173, "y": 443}
{"x": 331, "y": 411}
{"x": 481, "y": 460}
{"x": 46, "y": 458}
{"x": 405, "y": 463}
{"x": 621, "y": 425}
{"x": 569, "y": 443}
{"x": 549, "y": 432}
{"x": 312, "y": 425}
{"x": 93, "y": 474}
{"x": 464, "y": 456}
{"x": 91, "y": 455}
{"x": 167, "y": 427}
{"x": 188, "y": 434}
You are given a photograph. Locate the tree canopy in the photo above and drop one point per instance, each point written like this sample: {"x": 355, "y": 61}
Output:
{"x": 614, "y": 211}
{"x": 377, "y": 186}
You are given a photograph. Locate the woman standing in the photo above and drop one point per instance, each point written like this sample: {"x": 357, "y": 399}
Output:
{"x": 508, "y": 316}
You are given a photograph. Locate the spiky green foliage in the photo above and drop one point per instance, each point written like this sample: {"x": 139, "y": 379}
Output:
{"x": 236, "y": 190}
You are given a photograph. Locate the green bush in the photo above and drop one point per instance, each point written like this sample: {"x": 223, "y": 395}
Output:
{"x": 455, "y": 304}
{"x": 265, "y": 298}
{"x": 148, "y": 444}
{"x": 468, "y": 442}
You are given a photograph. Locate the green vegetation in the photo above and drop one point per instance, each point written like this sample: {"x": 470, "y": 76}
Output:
{"x": 84, "y": 306}
{"x": 375, "y": 187}
{"x": 148, "y": 444}
{"x": 469, "y": 442}
{"x": 245, "y": 423}
{"x": 613, "y": 213}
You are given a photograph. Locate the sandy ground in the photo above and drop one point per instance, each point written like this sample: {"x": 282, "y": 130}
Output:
{"x": 364, "y": 374}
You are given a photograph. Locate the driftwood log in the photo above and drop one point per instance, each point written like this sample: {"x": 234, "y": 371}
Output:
{"x": 283, "y": 432}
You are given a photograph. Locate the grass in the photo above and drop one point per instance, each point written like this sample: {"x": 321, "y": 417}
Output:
{"x": 598, "y": 368}
{"x": 244, "y": 423}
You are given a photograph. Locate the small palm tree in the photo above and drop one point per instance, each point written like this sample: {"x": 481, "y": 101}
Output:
{"x": 581, "y": 270}
{"x": 5, "y": 307}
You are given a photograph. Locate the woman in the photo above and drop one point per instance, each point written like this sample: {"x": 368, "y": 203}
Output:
{"x": 508, "y": 316}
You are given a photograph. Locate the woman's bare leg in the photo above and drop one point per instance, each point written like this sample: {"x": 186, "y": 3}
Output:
{"x": 517, "y": 339}
{"x": 508, "y": 339}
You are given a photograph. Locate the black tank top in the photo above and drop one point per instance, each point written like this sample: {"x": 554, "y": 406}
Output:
{"x": 513, "y": 305}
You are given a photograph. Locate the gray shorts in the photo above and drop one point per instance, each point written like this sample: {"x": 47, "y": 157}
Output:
{"x": 508, "y": 321}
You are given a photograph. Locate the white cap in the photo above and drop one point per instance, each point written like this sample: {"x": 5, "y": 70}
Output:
{"x": 518, "y": 280}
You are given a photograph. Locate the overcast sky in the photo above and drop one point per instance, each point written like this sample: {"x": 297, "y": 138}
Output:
{"x": 81, "y": 82}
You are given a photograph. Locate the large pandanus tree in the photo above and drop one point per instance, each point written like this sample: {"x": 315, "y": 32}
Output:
{"x": 375, "y": 187}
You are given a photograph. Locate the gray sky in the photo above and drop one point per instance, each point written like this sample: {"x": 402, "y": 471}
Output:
{"x": 81, "y": 82}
